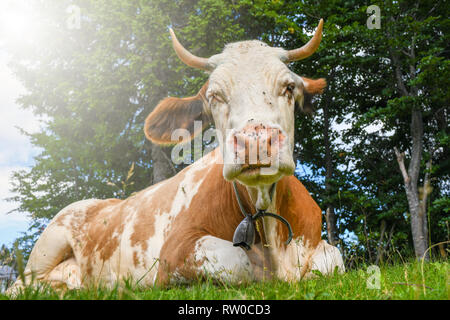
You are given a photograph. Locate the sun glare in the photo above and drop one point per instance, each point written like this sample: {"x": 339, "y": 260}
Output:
{"x": 17, "y": 23}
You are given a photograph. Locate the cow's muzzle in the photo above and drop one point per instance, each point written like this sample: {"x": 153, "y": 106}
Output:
{"x": 258, "y": 153}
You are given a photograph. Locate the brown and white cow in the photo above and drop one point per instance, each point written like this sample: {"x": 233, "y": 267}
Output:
{"x": 181, "y": 229}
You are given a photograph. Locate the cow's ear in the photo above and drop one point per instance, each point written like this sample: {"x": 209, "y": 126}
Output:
{"x": 311, "y": 88}
{"x": 177, "y": 113}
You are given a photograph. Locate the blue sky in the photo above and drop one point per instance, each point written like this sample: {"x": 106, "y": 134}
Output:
{"x": 16, "y": 152}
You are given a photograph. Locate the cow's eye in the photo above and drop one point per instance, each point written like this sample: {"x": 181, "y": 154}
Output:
{"x": 289, "y": 91}
{"x": 214, "y": 97}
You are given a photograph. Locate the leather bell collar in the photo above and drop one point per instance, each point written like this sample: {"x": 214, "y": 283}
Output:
{"x": 244, "y": 235}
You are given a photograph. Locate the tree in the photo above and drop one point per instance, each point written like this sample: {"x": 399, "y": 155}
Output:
{"x": 415, "y": 40}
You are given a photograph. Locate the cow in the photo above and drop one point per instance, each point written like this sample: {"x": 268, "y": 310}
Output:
{"x": 182, "y": 229}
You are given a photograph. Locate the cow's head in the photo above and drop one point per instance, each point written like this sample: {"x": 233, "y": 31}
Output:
{"x": 251, "y": 97}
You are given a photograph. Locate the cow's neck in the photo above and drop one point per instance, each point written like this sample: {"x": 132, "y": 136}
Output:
{"x": 263, "y": 199}
{"x": 265, "y": 252}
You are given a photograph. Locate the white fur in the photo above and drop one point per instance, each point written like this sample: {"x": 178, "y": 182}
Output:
{"x": 223, "y": 261}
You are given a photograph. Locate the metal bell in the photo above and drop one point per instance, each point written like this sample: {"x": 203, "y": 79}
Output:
{"x": 244, "y": 235}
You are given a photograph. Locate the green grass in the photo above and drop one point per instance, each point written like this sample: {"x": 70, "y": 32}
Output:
{"x": 399, "y": 282}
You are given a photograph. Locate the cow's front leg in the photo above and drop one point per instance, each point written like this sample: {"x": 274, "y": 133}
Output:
{"x": 299, "y": 260}
{"x": 209, "y": 258}
{"x": 219, "y": 260}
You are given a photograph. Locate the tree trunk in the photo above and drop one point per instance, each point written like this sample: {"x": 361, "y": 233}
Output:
{"x": 163, "y": 167}
{"x": 331, "y": 225}
{"x": 411, "y": 177}
{"x": 388, "y": 242}
{"x": 418, "y": 217}
{"x": 366, "y": 235}
{"x": 380, "y": 249}
{"x": 330, "y": 216}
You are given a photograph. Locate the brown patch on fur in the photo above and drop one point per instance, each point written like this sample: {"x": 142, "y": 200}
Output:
{"x": 176, "y": 113}
{"x": 59, "y": 220}
{"x": 161, "y": 200}
{"x": 101, "y": 231}
{"x": 198, "y": 176}
{"x": 89, "y": 268}
{"x": 144, "y": 228}
{"x": 135, "y": 259}
{"x": 295, "y": 204}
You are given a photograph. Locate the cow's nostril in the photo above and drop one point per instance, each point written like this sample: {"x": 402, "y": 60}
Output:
{"x": 257, "y": 144}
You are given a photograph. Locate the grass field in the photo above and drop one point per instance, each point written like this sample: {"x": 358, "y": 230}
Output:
{"x": 405, "y": 281}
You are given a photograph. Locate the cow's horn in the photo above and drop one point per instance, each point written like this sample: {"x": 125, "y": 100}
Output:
{"x": 309, "y": 48}
{"x": 187, "y": 57}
